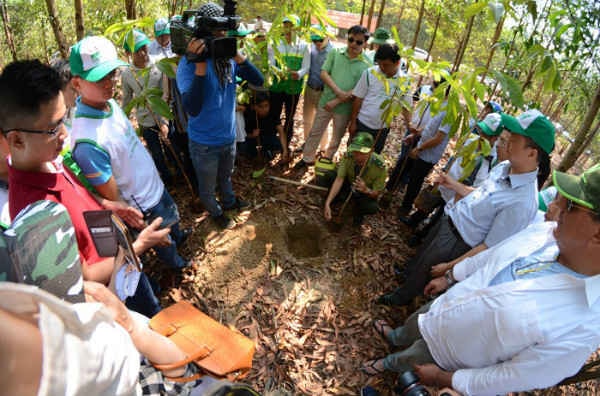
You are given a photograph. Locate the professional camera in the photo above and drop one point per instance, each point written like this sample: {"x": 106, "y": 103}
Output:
{"x": 408, "y": 385}
{"x": 195, "y": 24}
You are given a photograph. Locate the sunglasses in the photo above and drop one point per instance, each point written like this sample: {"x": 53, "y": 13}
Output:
{"x": 317, "y": 40}
{"x": 51, "y": 132}
{"x": 572, "y": 204}
{"x": 358, "y": 42}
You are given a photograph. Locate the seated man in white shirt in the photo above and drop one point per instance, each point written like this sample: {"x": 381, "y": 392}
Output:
{"x": 477, "y": 219}
{"x": 521, "y": 315}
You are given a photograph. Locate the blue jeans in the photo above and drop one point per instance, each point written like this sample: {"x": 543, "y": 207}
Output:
{"x": 167, "y": 209}
{"x": 214, "y": 166}
{"x": 144, "y": 301}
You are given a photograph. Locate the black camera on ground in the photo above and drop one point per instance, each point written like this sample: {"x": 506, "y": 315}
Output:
{"x": 408, "y": 385}
{"x": 195, "y": 24}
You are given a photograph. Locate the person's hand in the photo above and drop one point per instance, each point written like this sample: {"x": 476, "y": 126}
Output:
{"x": 360, "y": 186}
{"x": 152, "y": 236}
{"x": 428, "y": 373}
{"x": 409, "y": 140}
{"x": 439, "y": 269}
{"x": 329, "y": 106}
{"x": 327, "y": 212}
{"x": 196, "y": 46}
{"x": 164, "y": 131}
{"x": 130, "y": 215}
{"x": 445, "y": 180}
{"x": 295, "y": 75}
{"x": 255, "y": 133}
{"x": 414, "y": 153}
{"x": 344, "y": 96}
{"x": 97, "y": 292}
{"x": 436, "y": 286}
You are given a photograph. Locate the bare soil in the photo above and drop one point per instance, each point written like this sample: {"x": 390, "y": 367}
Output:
{"x": 299, "y": 288}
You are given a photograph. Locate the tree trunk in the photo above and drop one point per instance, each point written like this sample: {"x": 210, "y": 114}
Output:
{"x": 79, "y": 29}
{"x": 380, "y": 14}
{"x": 362, "y": 12}
{"x": 559, "y": 109}
{"x": 510, "y": 51}
{"x": 433, "y": 36}
{"x": 7, "y": 30}
{"x": 401, "y": 13}
{"x": 550, "y": 103}
{"x": 582, "y": 134}
{"x": 495, "y": 39}
{"x": 371, "y": 9}
{"x": 58, "y": 34}
{"x": 130, "y": 9}
{"x": 463, "y": 45}
{"x": 419, "y": 22}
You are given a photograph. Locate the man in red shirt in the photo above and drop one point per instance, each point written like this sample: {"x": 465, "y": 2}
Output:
{"x": 32, "y": 113}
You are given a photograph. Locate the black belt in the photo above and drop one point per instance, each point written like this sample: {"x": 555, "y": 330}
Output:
{"x": 454, "y": 229}
{"x": 316, "y": 88}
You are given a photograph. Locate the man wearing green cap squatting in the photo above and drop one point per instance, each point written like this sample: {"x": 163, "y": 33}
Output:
{"x": 366, "y": 188}
{"x": 477, "y": 219}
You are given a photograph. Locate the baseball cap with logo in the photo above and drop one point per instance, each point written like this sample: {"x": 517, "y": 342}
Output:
{"x": 93, "y": 58}
{"x": 381, "y": 36}
{"x": 491, "y": 125}
{"x": 362, "y": 142}
{"x": 317, "y": 32}
{"x": 533, "y": 124}
{"x": 584, "y": 190}
{"x": 293, "y": 19}
{"x": 161, "y": 27}
{"x": 135, "y": 38}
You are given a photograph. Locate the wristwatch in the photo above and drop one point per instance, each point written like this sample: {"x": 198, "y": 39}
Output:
{"x": 449, "y": 276}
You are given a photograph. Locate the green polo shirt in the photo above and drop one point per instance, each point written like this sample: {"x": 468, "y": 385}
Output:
{"x": 373, "y": 176}
{"x": 345, "y": 72}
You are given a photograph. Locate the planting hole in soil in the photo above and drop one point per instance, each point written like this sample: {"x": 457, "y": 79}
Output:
{"x": 303, "y": 240}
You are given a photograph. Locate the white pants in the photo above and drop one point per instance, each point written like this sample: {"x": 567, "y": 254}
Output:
{"x": 309, "y": 109}
{"x": 322, "y": 118}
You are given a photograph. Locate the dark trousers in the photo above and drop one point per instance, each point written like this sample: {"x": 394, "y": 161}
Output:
{"x": 400, "y": 172}
{"x": 158, "y": 155}
{"x": 380, "y": 141}
{"x": 361, "y": 204}
{"x": 443, "y": 243}
{"x": 418, "y": 172}
{"x": 144, "y": 301}
{"x": 278, "y": 100}
{"x": 270, "y": 143}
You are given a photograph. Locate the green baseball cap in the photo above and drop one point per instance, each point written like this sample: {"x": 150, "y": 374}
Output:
{"x": 491, "y": 125}
{"x": 293, "y": 19}
{"x": 137, "y": 38}
{"x": 362, "y": 142}
{"x": 162, "y": 27}
{"x": 93, "y": 58}
{"x": 317, "y": 32}
{"x": 584, "y": 190}
{"x": 533, "y": 124}
{"x": 381, "y": 36}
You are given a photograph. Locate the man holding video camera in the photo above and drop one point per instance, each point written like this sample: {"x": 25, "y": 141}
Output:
{"x": 206, "y": 77}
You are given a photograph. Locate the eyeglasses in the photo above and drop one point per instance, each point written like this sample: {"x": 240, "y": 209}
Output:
{"x": 358, "y": 42}
{"x": 572, "y": 204}
{"x": 51, "y": 132}
{"x": 113, "y": 75}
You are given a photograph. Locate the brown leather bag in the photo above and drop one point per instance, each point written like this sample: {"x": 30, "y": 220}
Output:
{"x": 215, "y": 348}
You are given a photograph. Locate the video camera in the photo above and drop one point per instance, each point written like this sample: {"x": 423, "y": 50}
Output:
{"x": 194, "y": 25}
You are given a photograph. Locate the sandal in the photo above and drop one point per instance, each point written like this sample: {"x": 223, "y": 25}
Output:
{"x": 369, "y": 367}
{"x": 380, "y": 326}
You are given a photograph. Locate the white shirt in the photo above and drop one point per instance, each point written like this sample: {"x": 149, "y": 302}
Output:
{"x": 514, "y": 336}
{"x": 85, "y": 352}
{"x": 435, "y": 125}
{"x": 502, "y": 206}
{"x": 371, "y": 90}
{"x": 156, "y": 52}
{"x": 298, "y": 48}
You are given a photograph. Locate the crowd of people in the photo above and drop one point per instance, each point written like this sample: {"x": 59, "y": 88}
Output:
{"x": 514, "y": 295}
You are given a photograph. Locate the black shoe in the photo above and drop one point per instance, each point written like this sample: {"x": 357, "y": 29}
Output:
{"x": 224, "y": 222}
{"x": 357, "y": 220}
{"x": 185, "y": 234}
{"x": 403, "y": 212}
{"x": 399, "y": 273}
{"x": 409, "y": 221}
{"x": 393, "y": 299}
{"x": 238, "y": 204}
{"x": 301, "y": 165}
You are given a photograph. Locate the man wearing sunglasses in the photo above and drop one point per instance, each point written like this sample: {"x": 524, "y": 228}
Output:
{"x": 340, "y": 73}
{"x": 519, "y": 316}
